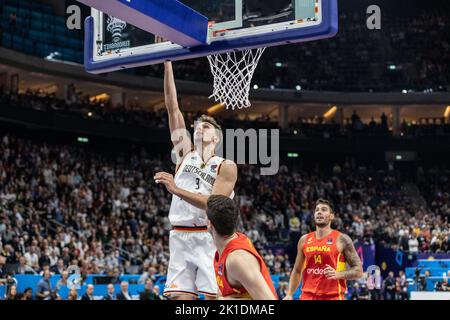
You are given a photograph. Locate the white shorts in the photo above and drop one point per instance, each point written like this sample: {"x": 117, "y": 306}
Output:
{"x": 191, "y": 264}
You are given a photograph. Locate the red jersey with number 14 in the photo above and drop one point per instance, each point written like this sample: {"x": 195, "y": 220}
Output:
{"x": 241, "y": 242}
{"x": 318, "y": 253}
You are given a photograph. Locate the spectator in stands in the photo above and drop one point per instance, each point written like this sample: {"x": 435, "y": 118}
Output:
{"x": 59, "y": 267}
{"x": 73, "y": 294}
{"x": 413, "y": 244}
{"x": 389, "y": 286}
{"x": 44, "y": 289}
{"x": 270, "y": 259}
{"x": 23, "y": 268}
{"x": 89, "y": 294}
{"x": 12, "y": 293}
{"x": 32, "y": 258}
{"x": 149, "y": 292}
{"x": 123, "y": 294}
{"x": 2, "y": 271}
{"x": 110, "y": 294}
{"x": 116, "y": 276}
{"x": 28, "y": 294}
{"x": 44, "y": 268}
{"x": 63, "y": 280}
{"x": 149, "y": 274}
{"x": 294, "y": 228}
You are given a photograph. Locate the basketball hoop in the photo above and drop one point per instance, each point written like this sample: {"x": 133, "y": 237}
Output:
{"x": 233, "y": 73}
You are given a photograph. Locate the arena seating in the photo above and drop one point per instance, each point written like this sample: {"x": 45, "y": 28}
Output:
{"x": 38, "y": 31}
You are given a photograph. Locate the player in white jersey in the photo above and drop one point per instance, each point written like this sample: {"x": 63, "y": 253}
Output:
{"x": 199, "y": 173}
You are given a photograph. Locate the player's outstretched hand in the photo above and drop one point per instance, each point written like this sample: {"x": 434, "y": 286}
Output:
{"x": 167, "y": 180}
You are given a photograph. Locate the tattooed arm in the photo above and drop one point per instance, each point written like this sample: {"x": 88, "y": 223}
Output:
{"x": 355, "y": 270}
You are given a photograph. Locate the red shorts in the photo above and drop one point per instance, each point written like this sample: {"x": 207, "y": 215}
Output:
{"x": 312, "y": 296}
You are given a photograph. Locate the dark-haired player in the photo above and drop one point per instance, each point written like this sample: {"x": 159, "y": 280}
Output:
{"x": 199, "y": 173}
{"x": 240, "y": 271}
{"x": 321, "y": 260}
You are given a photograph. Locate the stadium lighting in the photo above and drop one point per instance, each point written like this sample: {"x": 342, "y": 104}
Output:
{"x": 83, "y": 139}
{"x": 330, "y": 113}
{"x": 89, "y": 114}
{"x": 292, "y": 155}
{"x": 256, "y": 87}
{"x": 272, "y": 86}
{"x": 298, "y": 87}
{"x": 392, "y": 67}
{"x": 216, "y": 108}
{"x": 404, "y": 91}
{"x": 447, "y": 112}
{"x": 99, "y": 97}
{"x": 398, "y": 157}
{"x": 279, "y": 64}
{"x": 295, "y": 132}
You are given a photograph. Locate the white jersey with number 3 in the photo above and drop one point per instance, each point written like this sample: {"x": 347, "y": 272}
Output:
{"x": 195, "y": 176}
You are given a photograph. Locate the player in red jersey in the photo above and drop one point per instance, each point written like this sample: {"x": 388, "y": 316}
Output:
{"x": 322, "y": 258}
{"x": 240, "y": 270}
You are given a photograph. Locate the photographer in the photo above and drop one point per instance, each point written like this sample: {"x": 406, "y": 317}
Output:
{"x": 423, "y": 281}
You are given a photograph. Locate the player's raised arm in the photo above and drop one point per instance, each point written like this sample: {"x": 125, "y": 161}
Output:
{"x": 355, "y": 270}
{"x": 296, "y": 274}
{"x": 177, "y": 126}
{"x": 241, "y": 266}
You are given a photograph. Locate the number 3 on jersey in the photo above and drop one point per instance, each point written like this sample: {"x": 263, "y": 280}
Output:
{"x": 197, "y": 182}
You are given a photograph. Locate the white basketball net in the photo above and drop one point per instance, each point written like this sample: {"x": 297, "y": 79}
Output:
{"x": 233, "y": 73}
